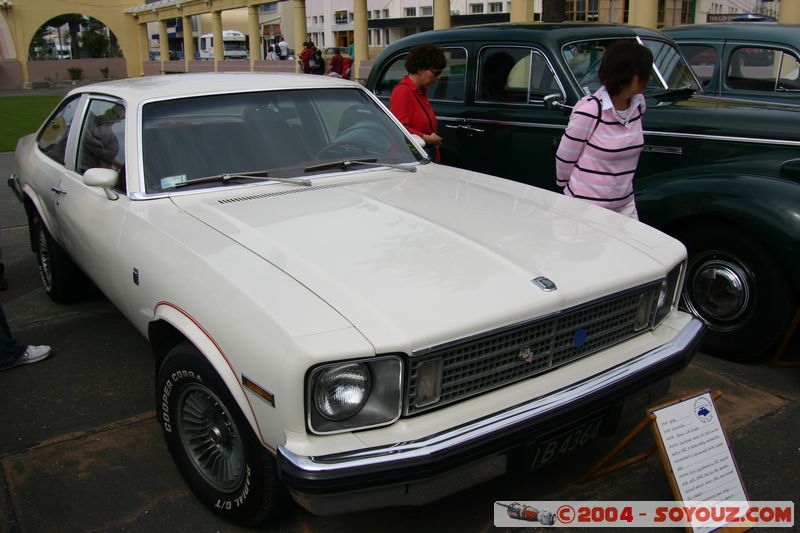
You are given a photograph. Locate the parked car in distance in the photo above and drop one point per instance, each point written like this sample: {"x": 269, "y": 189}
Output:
{"x": 745, "y": 61}
{"x": 332, "y": 314}
{"x": 721, "y": 176}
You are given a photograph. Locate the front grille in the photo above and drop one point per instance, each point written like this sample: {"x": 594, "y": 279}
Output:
{"x": 498, "y": 358}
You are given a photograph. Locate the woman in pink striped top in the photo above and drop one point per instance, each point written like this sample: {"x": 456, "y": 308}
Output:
{"x": 598, "y": 154}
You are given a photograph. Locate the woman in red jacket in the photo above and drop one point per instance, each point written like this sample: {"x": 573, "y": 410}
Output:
{"x": 409, "y": 102}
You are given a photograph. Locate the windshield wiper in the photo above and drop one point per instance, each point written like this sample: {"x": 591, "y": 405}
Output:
{"x": 344, "y": 164}
{"x": 262, "y": 175}
{"x": 674, "y": 94}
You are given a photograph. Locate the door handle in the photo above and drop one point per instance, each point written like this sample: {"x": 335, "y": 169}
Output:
{"x": 470, "y": 129}
{"x": 58, "y": 190}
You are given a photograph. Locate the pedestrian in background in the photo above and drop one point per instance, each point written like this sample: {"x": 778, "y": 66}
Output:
{"x": 599, "y": 151}
{"x": 271, "y": 55}
{"x": 336, "y": 68}
{"x": 13, "y": 353}
{"x": 305, "y": 57}
{"x": 409, "y": 101}
{"x": 283, "y": 46}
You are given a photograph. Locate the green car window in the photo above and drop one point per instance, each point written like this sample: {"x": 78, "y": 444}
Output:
{"x": 670, "y": 71}
{"x": 449, "y": 87}
{"x": 762, "y": 69}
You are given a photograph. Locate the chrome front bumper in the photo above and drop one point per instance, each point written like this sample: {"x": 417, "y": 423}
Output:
{"x": 417, "y": 472}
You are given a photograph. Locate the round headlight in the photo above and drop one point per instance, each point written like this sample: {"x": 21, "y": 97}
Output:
{"x": 341, "y": 392}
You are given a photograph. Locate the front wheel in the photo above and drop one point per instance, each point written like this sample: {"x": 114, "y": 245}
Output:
{"x": 735, "y": 288}
{"x": 212, "y": 444}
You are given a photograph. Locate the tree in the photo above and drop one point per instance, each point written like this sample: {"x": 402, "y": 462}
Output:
{"x": 554, "y": 10}
{"x": 38, "y": 44}
{"x": 94, "y": 39}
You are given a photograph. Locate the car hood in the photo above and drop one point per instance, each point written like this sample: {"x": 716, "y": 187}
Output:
{"x": 414, "y": 260}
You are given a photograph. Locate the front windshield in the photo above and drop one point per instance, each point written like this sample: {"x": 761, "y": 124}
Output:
{"x": 277, "y": 133}
{"x": 670, "y": 71}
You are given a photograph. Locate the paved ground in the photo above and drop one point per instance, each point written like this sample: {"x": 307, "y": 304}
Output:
{"x": 80, "y": 449}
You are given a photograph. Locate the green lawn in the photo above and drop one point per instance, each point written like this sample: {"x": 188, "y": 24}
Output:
{"x": 22, "y": 115}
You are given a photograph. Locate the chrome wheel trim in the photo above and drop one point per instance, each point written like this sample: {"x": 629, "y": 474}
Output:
{"x": 719, "y": 291}
{"x": 45, "y": 260}
{"x": 210, "y": 438}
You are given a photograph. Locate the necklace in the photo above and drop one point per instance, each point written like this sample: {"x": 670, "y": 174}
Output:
{"x": 623, "y": 116}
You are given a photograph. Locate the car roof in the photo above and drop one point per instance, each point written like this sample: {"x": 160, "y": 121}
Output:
{"x": 135, "y": 90}
{"x": 556, "y": 34}
{"x": 766, "y": 31}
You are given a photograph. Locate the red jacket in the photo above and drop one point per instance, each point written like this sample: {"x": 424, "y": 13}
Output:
{"x": 304, "y": 56}
{"x": 413, "y": 109}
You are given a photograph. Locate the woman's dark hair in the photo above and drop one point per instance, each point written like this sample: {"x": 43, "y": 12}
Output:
{"x": 425, "y": 56}
{"x": 622, "y": 61}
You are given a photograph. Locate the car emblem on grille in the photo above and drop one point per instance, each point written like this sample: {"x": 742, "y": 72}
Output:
{"x": 544, "y": 283}
{"x": 526, "y": 354}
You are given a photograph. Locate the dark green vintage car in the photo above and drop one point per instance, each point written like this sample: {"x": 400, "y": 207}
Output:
{"x": 720, "y": 175}
{"x": 746, "y": 61}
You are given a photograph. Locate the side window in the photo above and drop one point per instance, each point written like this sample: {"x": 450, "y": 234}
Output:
{"x": 702, "y": 58}
{"x": 391, "y": 76}
{"x": 52, "y": 140}
{"x": 450, "y": 85}
{"x": 789, "y": 72}
{"x": 102, "y": 142}
{"x": 753, "y": 69}
{"x": 516, "y": 75}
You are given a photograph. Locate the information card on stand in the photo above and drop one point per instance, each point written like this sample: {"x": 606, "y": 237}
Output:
{"x": 696, "y": 448}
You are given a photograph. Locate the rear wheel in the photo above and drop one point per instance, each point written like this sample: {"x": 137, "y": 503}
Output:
{"x": 61, "y": 279}
{"x": 212, "y": 444}
{"x": 735, "y": 288}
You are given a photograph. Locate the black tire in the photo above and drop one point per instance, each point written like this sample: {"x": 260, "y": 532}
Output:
{"x": 61, "y": 279}
{"x": 212, "y": 444}
{"x": 736, "y": 289}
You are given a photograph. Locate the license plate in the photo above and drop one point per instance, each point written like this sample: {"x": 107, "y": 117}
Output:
{"x": 565, "y": 441}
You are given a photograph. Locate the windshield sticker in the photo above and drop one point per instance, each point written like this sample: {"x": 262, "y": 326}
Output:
{"x": 171, "y": 181}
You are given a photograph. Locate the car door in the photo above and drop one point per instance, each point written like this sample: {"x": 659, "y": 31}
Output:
{"x": 91, "y": 218}
{"x": 448, "y": 97}
{"x": 508, "y": 131}
{"x": 56, "y": 144}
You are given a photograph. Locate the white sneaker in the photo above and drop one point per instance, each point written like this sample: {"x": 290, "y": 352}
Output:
{"x": 33, "y": 354}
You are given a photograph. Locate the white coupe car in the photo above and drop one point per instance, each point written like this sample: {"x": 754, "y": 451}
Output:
{"x": 332, "y": 315}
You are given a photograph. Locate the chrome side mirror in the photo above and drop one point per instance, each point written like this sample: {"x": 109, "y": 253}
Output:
{"x": 555, "y": 101}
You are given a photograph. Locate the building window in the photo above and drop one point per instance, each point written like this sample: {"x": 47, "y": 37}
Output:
{"x": 411, "y": 11}
{"x": 476, "y": 8}
{"x": 341, "y": 17}
{"x": 426, "y": 11}
{"x": 687, "y": 16}
{"x": 385, "y": 14}
{"x": 385, "y": 36}
{"x": 322, "y": 19}
{"x": 582, "y": 10}
{"x": 376, "y": 14}
{"x": 495, "y": 7}
{"x": 313, "y": 20}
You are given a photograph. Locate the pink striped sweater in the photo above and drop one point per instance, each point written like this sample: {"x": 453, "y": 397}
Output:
{"x": 596, "y": 161}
